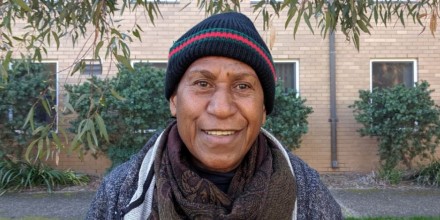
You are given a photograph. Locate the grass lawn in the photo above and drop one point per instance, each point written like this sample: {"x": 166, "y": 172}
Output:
{"x": 394, "y": 218}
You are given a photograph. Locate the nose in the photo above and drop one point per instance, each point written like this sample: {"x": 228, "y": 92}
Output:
{"x": 222, "y": 104}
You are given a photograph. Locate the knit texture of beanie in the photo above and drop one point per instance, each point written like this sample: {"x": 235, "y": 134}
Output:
{"x": 231, "y": 35}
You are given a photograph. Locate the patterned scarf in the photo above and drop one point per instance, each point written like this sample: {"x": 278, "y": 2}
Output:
{"x": 263, "y": 186}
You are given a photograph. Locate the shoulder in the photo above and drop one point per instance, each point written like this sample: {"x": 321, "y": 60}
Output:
{"x": 119, "y": 185}
{"x": 314, "y": 199}
{"x": 125, "y": 176}
{"x": 304, "y": 174}
{"x": 109, "y": 197}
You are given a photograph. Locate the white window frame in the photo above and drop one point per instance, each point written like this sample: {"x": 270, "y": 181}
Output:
{"x": 415, "y": 68}
{"x": 297, "y": 89}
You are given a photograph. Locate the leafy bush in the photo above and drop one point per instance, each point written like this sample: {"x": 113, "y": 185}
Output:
{"x": 430, "y": 174}
{"x": 26, "y": 83}
{"x": 393, "y": 176}
{"x": 404, "y": 120}
{"x": 288, "y": 120}
{"x": 16, "y": 175}
{"x": 132, "y": 111}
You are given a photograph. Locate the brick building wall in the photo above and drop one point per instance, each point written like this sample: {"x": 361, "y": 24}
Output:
{"x": 353, "y": 73}
{"x": 311, "y": 52}
{"x": 97, "y": 166}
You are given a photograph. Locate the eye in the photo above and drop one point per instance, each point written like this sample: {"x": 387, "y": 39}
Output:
{"x": 202, "y": 84}
{"x": 242, "y": 86}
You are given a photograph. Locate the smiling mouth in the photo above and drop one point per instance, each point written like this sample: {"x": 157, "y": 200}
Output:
{"x": 220, "y": 133}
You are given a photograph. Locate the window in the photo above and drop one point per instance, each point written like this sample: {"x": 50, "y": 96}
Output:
{"x": 388, "y": 73}
{"x": 41, "y": 114}
{"x": 267, "y": 1}
{"x": 92, "y": 67}
{"x": 287, "y": 71}
{"x": 397, "y": 1}
{"x": 160, "y": 64}
{"x": 49, "y": 70}
{"x": 52, "y": 2}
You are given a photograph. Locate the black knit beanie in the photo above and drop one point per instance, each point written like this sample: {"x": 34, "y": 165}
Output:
{"x": 231, "y": 35}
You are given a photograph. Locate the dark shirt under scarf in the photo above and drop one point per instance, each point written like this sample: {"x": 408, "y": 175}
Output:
{"x": 221, "y": 180}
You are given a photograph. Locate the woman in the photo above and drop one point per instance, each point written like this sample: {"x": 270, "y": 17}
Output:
{"x": 215, "y": 161}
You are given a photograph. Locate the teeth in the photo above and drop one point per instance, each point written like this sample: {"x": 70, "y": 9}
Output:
{"x": 220, "y": 133}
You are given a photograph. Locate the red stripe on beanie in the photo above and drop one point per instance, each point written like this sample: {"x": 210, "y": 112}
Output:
{"x": 227, "y": 36}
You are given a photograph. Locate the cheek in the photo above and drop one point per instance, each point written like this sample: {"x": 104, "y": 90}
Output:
{"x": 255, "y": 112}
{"x": 187, "y": 113}
{"x": 255, "y": 119}
{"x": 187, "y": 109}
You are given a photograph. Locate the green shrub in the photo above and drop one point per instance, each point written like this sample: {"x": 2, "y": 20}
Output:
{"x": 131, "y": 120}
{"x": 393, "y": 176}
{"x": 404, "y": 120}
{"x": 288, "y": 121}
{"x": 16, "y": 175}
{"x": 430, "y": 174}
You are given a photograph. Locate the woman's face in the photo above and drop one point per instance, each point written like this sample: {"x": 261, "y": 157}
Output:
{"x": 219, "y": 106}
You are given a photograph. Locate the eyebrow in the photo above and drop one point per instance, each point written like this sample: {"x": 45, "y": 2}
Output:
{"x": 241, "y": 75}
{"x": 210, "y": 75}
{"x": 202, "y": 72}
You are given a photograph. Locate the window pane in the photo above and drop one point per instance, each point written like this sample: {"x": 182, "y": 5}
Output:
{"x": 92, "y": 67}
{"x": 266, "y": 1}
{"x": 40, "y": 113}
{"x": 388, "y": 74}
{"x": 286, "y": 73}
{"x": 158, "y": 1}
{"x": 47, "y": 72}
{"x": 157, "y": 65}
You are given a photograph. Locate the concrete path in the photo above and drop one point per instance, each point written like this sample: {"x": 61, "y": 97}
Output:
{"x": 59, "y": 205}
{"x": 389, "y": 202}
{"x": 355, "y": 203}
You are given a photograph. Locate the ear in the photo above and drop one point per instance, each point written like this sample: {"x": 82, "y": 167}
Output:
{"x": 173, "y": 104}
{"x": 264, "y": 115}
